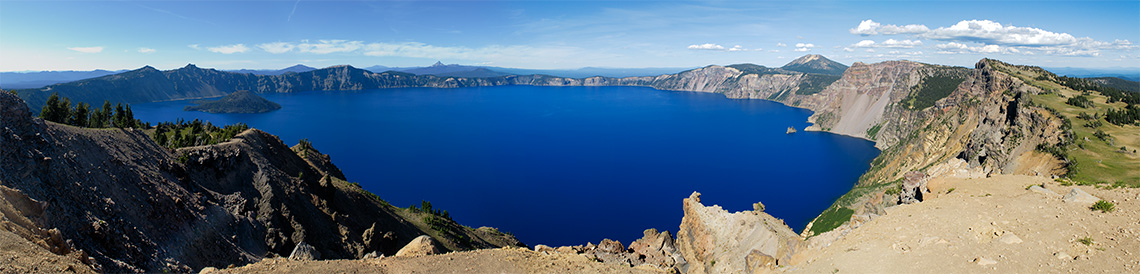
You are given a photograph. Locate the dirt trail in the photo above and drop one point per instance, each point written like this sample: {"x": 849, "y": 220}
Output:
{"x": 991, "y": 225}
{"x": 502, "y": 260}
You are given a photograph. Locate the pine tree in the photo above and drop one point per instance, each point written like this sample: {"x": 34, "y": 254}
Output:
{"x": 130, "y": 118}
{"x": 79, "y": 117}
{"x": 105, "y": 115}
{"x": 63, "y": 111}
{"x": 49, "y": 111}
{"x": 118, "y": 119}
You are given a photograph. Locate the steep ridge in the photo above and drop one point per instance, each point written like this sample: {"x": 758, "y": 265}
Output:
{"x": 118, "y": 201}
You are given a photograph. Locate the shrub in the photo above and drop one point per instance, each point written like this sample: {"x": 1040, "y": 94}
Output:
{"x": 1101, "y": 135}
{"x": 1104, "y": 206}
{"x": 1086, "y": 240}
{"x": 1080, "y": 101}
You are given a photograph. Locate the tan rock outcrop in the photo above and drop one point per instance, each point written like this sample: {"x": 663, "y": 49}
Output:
{"x": 713, "y": 240}
{"x": 422, "y": 245}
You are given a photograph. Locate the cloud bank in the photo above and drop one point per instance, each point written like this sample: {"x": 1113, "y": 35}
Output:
{"x": 985, "y": 36}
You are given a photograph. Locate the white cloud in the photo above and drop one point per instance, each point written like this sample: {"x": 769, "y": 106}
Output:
{"x": 87, "y": 49}
{"x": 146, "y": 50}
{"x": 707, "y": 47}
{"x": 889, "y": 43}
{"x": 318, "y": 47}
{"x": 710, "y": 46}
{"x": 869, "y": 27}
{"x": 277, "y": 47}
{"x": 848, "y": 49}
{"x": 804, "y": 46}
{"x": 781, "y": 45}
{"x": 230, "y": 49}
{"x": 953, "y": 48}
{"x": 329, "y": 46}
{"x": 864, "y": 44}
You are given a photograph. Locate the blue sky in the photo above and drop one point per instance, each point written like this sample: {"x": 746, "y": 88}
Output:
{"x": 85, "y": 35}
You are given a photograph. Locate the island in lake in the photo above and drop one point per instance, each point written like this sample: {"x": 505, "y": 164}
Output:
{"x": 242, "y": 101}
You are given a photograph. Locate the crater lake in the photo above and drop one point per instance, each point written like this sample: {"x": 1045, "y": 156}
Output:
{"x": 564, "y": 165}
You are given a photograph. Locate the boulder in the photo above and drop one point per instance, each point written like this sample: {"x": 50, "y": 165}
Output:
{"x": 656, "y": 248}
{"x": 611, "y": 246}
{"x": 1080, "y": 197}
{"x": 913, "y": 187}
{"x": 544, "y": 248}
{"x": 737, "y": 242}
{"x": 305, "y": 252}
{"x": 613, "y": 252}
{"x": 758, "y": 262}
{"x": 373, "y": 255}
{"x": 422, "y": 245}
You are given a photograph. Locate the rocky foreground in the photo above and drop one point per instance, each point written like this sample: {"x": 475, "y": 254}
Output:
{"x": 968, "y": 223}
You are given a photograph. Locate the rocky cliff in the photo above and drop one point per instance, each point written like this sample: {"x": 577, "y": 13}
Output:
{"x": 986, "y": 122}
{"x": 118, "y": 202}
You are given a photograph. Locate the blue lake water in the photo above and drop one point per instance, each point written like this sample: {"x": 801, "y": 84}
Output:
{"x": 565, "y": 165}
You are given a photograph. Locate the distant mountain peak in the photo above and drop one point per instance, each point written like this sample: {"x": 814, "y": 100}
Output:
{"x": 815, "y": 63}
{"x": 438, "y": 64}
{"x": 147, "y": 68}
{"x": 190, "y": 66}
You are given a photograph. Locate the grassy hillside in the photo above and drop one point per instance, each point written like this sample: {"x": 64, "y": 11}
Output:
{"x": 1100, "y": 152}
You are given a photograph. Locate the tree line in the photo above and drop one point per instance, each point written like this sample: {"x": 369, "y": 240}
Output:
{"x": 84, "y": 115}
{"x": 194, "y": 133}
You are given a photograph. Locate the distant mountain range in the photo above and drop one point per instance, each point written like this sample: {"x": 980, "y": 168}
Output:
{"x": 148, "y": 84}
{"x": 38, "y": 79}
{"x": 455, "y": 70}
{"x": 295, "y": 68}
{"x": 1131, "y": 74}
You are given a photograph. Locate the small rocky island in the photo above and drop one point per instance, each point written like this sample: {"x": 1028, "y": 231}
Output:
{"x": 242, "y": 101}
{"x": 791, "y": 130}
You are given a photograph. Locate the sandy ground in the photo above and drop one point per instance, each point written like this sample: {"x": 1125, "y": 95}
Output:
{"x": 963, "y": 232}
{"x": 18, "y": 255}
{"x": 503, "y": 260}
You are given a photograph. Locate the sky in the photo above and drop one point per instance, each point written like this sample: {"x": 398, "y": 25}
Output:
{"x": 87, "y": 35}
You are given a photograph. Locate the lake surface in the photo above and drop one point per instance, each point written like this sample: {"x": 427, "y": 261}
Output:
{"x": 565, "y": 165}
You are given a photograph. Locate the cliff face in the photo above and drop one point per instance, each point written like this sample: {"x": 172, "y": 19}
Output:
{"x": 130, "y": 205}
{"x": 986, "y": 123}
